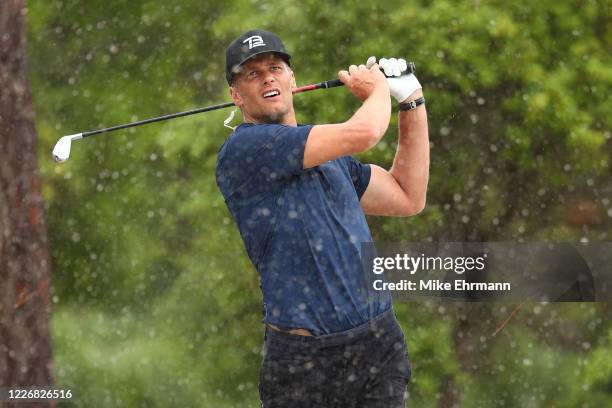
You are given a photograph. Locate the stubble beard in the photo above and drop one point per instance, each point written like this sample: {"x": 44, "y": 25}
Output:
{"x": 273, "y": 118}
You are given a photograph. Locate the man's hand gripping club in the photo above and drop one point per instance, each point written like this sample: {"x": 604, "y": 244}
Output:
{"x": 364, "y": 129}
{"x": 370, "y": 86}
{"x": 400, "y": 86}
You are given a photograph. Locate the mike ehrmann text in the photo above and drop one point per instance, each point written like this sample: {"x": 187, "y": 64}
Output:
{"x": 437, "y": 285}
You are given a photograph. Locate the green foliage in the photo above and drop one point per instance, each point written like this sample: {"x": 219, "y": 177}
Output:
{"x": 597, "y": 380}
{"x": 518, "y": 98}
{"x": 127, "y": 360}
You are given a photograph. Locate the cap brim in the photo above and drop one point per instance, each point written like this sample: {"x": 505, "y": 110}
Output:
{"x": 285, "y": 56}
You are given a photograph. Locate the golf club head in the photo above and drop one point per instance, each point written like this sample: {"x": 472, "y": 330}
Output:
{"x": 61, "y": 151}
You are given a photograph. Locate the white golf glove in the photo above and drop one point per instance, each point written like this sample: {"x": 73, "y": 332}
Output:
{"x": 401, "y": 86}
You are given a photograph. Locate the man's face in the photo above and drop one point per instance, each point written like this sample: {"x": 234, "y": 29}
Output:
{"x": 262, "y": 89}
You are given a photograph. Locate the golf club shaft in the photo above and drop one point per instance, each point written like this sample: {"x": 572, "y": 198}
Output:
{"x": 321, "y": 85}
{"x": 158, "y": 119}
{"x": 327, "y": 84}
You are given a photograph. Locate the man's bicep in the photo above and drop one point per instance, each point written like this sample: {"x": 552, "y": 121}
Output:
{"x": 329, "y": 142}
{"x": 384, "y": 195}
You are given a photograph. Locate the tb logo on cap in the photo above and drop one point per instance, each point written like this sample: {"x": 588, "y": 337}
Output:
{"x": 254, "y": 41}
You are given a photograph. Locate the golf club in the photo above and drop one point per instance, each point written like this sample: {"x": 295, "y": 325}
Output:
{"x": 61, "y": 151}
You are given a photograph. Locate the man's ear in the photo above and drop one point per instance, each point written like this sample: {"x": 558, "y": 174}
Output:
{"x": 293, "y": 83}
{"x": 235, "y": 95}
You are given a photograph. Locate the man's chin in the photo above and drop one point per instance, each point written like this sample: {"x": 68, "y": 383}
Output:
{"x": 272, "y": 120}
{"x": 275, "y": 118}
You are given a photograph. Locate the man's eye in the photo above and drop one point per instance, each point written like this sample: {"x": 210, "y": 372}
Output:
{"x": 276, "y": 68}
{"x": 252, "y": 74}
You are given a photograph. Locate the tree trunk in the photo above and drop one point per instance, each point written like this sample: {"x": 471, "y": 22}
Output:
{"x": 25, "y": 340}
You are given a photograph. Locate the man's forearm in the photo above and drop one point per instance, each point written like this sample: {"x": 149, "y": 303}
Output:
{"x": 411, "y": 164}
{"x": 376, "y": 110}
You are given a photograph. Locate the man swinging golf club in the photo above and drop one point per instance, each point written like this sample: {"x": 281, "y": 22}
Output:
{"x": 300, "y": 200}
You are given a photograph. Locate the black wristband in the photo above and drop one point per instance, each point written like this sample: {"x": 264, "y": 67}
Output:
{"x": 410, "y": 105}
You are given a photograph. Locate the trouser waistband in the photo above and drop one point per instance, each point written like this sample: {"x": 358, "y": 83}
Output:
{"x": 383, "y": 323}
{"x": 297, "y": 332}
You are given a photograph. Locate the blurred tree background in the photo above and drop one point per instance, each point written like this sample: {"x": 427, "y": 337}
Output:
{"x": 155, "y": 302}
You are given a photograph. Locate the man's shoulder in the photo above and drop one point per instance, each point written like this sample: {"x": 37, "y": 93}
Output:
{"x": 246, "y": 130}
{"x": 240, "y": 131}
{"x": 242, "y": 138}
{"x": 250, "y": 128}
{"x": 247, "y": 135}
{"x": 251, "y": 141}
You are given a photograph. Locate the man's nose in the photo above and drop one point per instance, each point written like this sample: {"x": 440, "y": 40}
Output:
{"x": 268, "y": 78}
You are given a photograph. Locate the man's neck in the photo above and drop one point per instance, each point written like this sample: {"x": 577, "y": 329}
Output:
{"x": 288, "y": 120}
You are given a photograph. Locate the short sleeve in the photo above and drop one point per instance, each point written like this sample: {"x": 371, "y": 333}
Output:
{"x": 264, "y": 153}
{"x": 360, "y": 174}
